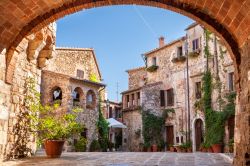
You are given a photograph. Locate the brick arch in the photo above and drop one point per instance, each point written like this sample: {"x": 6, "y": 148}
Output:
{"x": 229, "y": 19}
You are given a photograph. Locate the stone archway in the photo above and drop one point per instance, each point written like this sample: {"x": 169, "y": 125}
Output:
{"x": 197, "y": 137}
{"x": 229, "y": 19}
{"x": 194, "y": 130}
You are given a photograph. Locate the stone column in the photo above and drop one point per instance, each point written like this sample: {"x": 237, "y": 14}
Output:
{"x": 242, "y": 126}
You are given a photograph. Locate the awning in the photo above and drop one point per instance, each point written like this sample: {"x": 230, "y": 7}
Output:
{"x": 115, "y": 124}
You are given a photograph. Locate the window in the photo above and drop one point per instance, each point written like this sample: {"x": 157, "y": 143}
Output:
{"x": 154, "y": 61}
{"x": 162, "y": 98}
{"x": 179, "y": 51}
{"x": 133, "y": 99}
{"x": 198, "y": 90}
{"x": 110, "y": 112}
{"x": 57, "y": 95}
{"x": 231, "y": 81}
{"x": 80, "y": 74}
{"x": 116, "y": 113}
{"x": 91, "y": 99}
{"x": 84, "y": 133}
{"x": 77, "y": 95}
{"x": 127, "y": 100}
{"x": 138, "y": 98}
{"x": 170, "y": 97}
{"x": 177, "y": 140}
{"x": 195, "y": 43}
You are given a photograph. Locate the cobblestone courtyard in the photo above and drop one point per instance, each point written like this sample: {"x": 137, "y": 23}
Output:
{"x": 127, "y": 159}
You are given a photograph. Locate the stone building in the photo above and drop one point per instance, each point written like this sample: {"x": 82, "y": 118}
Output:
{"x": 26, "y": 60}
{"x": 164, "y": 84}
{"x": 72, "y": 77}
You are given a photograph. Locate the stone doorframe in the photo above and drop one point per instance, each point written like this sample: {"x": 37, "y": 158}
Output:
{"x": 193, "y": 131}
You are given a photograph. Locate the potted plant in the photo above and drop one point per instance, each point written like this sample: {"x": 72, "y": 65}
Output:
{"x": 51, "y": 127}
{"x": 154, "y": 148}
{"x": 203, "y": 147}
{"x": 171, "y": 148}
{"x": 217, "y": 142}
{"x": 189, "y": 146}
{"x": 147, "y": 147}
{"x": 161, "y": 145}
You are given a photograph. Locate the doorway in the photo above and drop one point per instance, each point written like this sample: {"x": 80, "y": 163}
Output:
{"x": 198, "y": 133}
{"x": 169, "y": 135}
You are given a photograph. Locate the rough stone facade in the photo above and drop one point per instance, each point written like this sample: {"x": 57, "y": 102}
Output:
{"x": 171, "y": 73}
{"x": 24, "y": 61}
{"x": 229, "y": 19}
{"x": 68, "y": 60}
{"x": 71, "y": 70}
{"x": 68, "y": 85}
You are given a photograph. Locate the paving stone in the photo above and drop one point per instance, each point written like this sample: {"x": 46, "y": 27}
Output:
{"x": 124, "y": 159}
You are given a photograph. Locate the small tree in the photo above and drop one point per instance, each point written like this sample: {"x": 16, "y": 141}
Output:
{"x": 45, "y": 122}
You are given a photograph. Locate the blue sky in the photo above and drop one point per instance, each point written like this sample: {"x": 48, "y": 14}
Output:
{"x": 119, "y": 35}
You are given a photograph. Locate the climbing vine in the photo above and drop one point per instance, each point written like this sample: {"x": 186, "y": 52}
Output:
{"x": 215, "y": 120}
{"x": 153, "y": 126}
{"x": 207, "y": 39}
{"x": 102, "y": 126}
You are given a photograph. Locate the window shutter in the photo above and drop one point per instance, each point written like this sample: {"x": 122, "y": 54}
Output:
{"x": 170, "y": 97}
{"x": 162, "y": 97}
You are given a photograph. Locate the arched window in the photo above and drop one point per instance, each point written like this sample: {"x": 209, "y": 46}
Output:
{"x": 91, "y": 99}
{"x": 57, "y": 95}
{"x": 77, "y": 96}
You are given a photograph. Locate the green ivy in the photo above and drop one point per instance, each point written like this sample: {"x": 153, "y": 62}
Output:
{"x": 103, "y": 129}
{"x": 153, "y": 126}
{"x": 206, "y": 48}
{"x": 215, "y": 120}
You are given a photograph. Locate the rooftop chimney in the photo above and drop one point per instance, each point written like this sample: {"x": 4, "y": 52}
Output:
{"x": 161, "y": 41}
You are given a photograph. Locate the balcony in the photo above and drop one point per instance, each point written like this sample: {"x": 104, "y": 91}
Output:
{"x": 132, "y": 108}
{"x": 152, "y": 68}
{"x": 194, "y": 53}
{"x": 179, "y": 59}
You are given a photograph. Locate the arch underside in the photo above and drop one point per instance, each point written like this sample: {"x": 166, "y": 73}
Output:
{"x": 199, "y": 10}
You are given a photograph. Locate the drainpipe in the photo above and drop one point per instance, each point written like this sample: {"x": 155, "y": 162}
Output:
{"x": 188, "y": 101}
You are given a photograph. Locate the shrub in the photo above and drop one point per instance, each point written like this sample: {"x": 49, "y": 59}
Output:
{"x": 95, "y": 146}
{"x": 81, "y": 145}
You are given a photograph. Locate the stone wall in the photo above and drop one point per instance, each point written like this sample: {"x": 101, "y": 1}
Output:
{"x": 137, "y": 77}
{"x": 172, "y": 73}
{"x": 20, "y": 63}
{"x": 68, "y": 60}
{"x": 89, "y": 116}
{"x": 242, "y": 128}
{"x": 132, "y": 135}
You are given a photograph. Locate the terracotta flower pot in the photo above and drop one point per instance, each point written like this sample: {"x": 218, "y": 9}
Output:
{"x": 210, "y": 150}
{"x": 189, "y": 150}
{"x": 178, "y": 149}
{"x": 53, "y": 148}
{"x": 217, "y": 148}
{"x": 154, "y": 148}
{"x": 204, "y": 149}
{"x": 172, "y": 149}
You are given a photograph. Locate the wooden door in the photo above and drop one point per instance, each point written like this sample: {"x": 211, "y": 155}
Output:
{"x": 170, "y": 135}
{"x": 198, "y": 133}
